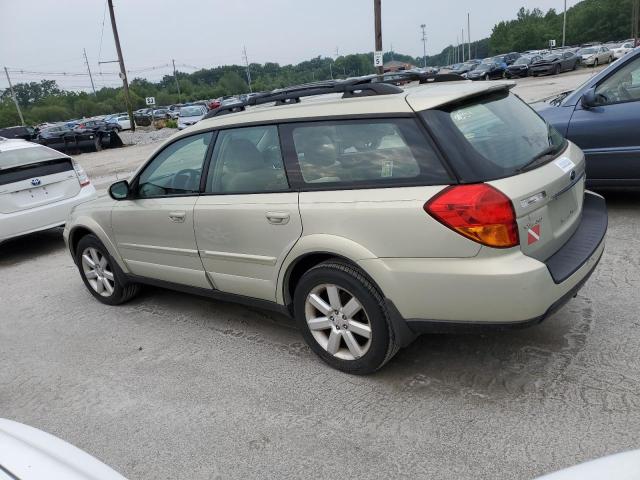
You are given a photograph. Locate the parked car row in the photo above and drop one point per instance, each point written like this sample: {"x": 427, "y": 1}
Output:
{"x": 541, "y": 62}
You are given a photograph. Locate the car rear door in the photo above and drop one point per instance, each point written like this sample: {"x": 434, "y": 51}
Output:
{"x": 608, "y": 132}
{"x": 35, "y": 176}
{"x": 247, "y": 220}
{"x": 154, "y": 227}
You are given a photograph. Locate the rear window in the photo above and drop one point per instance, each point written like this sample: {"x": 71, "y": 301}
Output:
{"x": 365, "y": 153}
{"x": 494, "y": 136}
{"x": 42, "y": 169}
{"x": 23, "y": 156}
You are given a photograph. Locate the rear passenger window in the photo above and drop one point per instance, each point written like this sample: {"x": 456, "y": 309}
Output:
{"x": 247, "y": 160}
{"x": 365, "y": 152}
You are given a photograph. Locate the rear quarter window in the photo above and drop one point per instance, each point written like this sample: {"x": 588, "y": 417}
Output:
{"x": 491, "y": 137}
{"x": 362, "y": 153}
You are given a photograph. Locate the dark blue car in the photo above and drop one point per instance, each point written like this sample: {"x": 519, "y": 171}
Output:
{"x": 603, "y": 118}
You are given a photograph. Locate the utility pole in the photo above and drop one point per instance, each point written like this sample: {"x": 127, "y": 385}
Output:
{"x": 246, "y": 62}
{"x": 635, "y": 19}
{"x": 175, "y": 76}
{"x": 564, "y": 24}
{"x": 13, "y": 95}
{"x": 123, "y": 71}
{"x": 462, "y": 44}
{"x": 424, "y": 45}
{"x": 93, "y": 87}
{"x": 469, "y": 34}
{"x": 377, "y": 12}
{"x": 392, "y": 52}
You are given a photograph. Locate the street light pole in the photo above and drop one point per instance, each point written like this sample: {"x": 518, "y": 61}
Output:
{"x": 424, "y": 45}
{"x": 13, "y": 95}
{"x": 564, "y": 24}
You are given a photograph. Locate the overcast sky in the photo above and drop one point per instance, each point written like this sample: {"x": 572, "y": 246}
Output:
{"x": 49, "y": 35}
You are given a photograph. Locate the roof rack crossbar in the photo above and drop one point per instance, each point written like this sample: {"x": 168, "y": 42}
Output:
{"x": 365, "y": 86}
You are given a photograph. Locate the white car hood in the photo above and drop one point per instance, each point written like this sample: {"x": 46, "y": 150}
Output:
{"x": 29, "y": 453}
{"x": 193, "y": 119}
{"x": 621, "y": 466}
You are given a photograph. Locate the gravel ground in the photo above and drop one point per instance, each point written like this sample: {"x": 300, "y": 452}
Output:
{"x": 176, "y": 386}
{"x": 143, "y": 136}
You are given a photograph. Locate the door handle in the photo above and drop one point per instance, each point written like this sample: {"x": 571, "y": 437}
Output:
{"x": 177, "y": 217}
{"x": 277, "y": 218}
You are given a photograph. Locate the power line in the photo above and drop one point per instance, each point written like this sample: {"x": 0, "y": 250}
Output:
{"x": 104, "y": 16}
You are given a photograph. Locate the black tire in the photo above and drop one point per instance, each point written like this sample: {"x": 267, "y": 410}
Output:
{"x": 383, "y": 345}
{"x": 97, "y": 142}
{"x": 123, "y": 291}
{"x": 557, "y": 70}
{"x": 595, "y": 63}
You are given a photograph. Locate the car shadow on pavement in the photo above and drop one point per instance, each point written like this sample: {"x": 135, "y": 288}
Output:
{"x": 528, "y": 361}
{"x": 28, "y": 247}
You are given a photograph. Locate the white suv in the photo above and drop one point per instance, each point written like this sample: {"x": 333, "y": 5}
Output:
{"x": 38, "y": 187}
{"x": 370, "y": 216}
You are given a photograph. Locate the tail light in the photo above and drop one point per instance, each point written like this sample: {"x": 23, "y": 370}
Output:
{"x": 479, "y": 212}
{"x": 81, "y": 174}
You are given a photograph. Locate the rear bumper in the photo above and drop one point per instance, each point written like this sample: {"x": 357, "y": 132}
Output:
{"x": 43, "y": 217}
{"x": 495, "y": 288}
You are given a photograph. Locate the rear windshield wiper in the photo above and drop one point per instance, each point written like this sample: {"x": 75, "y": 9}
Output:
{"x": 550, "y": 150}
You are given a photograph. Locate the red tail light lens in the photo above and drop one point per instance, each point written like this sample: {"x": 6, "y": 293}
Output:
{"x": 479, "y": 212}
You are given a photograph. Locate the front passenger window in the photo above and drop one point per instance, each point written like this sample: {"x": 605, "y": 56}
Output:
{"x": 622, "y": 86}
{"x": 176, "y": 170}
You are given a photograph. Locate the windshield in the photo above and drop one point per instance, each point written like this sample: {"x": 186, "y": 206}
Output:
{"x": 522, "y": 61}
{"x": 495, "y": 136}
{"x": 550, "y": 57}
{"x": 586, "y": 51}
{"x": 190, "y": 111}
{"x": 466, "y": 66}
{"x": 483, "y": 67}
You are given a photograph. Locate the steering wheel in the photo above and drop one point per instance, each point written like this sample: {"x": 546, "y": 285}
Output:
{"x": 187, "y": 177}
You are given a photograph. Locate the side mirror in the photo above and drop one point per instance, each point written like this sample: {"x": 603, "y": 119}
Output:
{"x": 119, "y": 190}
{"x": 589, "y": 100}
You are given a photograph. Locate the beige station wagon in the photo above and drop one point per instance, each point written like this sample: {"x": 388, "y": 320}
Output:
{"x": 368, "y": 212}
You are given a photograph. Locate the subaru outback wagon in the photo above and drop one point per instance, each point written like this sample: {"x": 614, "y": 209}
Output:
{"x": 369, "y": 213}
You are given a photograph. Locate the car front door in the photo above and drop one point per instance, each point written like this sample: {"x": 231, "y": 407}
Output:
{"x": 608, "y": 132}
{"x": 154, "y": 228}
{"x": 247, "y": 220}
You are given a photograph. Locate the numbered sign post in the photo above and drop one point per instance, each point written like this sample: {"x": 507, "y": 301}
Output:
{"x": 377, "y": 59}
{"x": 151, "y": 101}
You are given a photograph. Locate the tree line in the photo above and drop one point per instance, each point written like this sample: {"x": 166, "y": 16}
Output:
{"x": 45, "y": 101}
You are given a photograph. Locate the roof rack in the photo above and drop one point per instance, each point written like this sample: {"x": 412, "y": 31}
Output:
{"x": 369, "y": 85}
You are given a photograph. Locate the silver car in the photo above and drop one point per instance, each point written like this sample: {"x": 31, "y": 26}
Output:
{"x": 190, "y": 115}
{"x": 370, "y": 218}
{"x": 594, "y": 56}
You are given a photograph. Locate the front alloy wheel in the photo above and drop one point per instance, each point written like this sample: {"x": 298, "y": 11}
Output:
{"x": 101, "y": 274}
{"x": 338, "y": 322}
{"x": 97, "y": 271}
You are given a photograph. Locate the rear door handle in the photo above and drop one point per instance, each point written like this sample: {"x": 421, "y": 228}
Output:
{"x": 177, "y": 217}
{"x": 278, "y": 218}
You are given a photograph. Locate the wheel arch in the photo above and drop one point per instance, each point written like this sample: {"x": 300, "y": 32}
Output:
{"x": 312, "y": 250}
{"x": 87, "y": 226}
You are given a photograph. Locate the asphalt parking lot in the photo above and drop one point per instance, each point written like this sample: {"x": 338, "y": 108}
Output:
{"x": 176, "y": 386}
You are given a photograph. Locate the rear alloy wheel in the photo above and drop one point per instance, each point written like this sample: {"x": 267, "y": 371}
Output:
{"x": 595, "y": 63}
{"x": 101, "y": 274}
{"x": 338, "y": 322}
{"x": 556, "y": 70}
{"x": 343, "y": 318}
{"x": 97, "y": 142}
